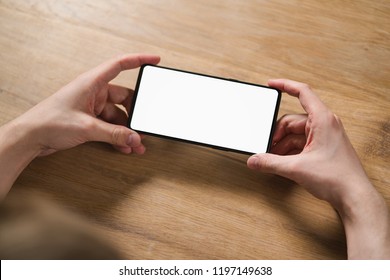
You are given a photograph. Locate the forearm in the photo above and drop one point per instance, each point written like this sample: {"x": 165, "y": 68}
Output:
{"x": 366, "y": 220}
{"x": 17, "y": 150}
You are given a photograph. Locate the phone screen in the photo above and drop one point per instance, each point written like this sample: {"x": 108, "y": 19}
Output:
{"x": 202, "y": 109}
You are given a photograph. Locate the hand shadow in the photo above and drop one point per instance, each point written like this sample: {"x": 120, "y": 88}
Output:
{"x": 94, "y": 179}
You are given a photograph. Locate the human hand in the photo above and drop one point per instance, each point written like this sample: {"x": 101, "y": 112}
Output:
{"x": 312, "y": 149}
{"x": 86, "y": 110}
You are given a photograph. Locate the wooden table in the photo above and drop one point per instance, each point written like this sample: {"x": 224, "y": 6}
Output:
{"x": 180, "y": 201}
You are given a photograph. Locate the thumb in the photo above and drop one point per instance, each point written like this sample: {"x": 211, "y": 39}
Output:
{"x": 117, "y": 135}
{"x": 271, "y": 163}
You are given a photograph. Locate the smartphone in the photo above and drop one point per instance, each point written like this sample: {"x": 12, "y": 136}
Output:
{"x": 212, "y": 111}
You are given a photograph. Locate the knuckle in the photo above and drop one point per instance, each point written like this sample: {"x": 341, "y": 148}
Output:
{"x": 304, "y": 87}
{"x": 89, "y": 123}
{"x": 284, "y": 120}
{"x": 337, "y": 118}
{"x": 337, "y": 122}
{"x": 116, "y": 136}
{"x": 86, "y": 126}
{"x": 295, "y": 171}
{"x": 301, "y": 88}
{"x": 332, "y": 120}
{"x": 263, "y": 163}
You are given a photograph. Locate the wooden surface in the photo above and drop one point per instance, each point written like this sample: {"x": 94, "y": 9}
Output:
{"x": 180, "y": 201}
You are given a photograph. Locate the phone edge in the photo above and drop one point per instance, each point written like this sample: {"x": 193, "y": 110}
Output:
{"x": 134, "y": 99}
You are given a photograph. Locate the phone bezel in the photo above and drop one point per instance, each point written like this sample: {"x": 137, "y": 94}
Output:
{"x": 134, "y": 101}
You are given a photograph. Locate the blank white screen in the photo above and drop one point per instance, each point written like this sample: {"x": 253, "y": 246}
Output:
{"x": 204, "y": 109}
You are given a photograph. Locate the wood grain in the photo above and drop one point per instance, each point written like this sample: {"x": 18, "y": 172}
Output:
{"x": 180, "y": 201}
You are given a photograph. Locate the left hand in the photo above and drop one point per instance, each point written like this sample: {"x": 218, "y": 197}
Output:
{"x": 86, "y": 110}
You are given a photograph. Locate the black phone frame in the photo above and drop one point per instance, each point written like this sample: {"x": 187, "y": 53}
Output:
{"x": 134, "y": 101}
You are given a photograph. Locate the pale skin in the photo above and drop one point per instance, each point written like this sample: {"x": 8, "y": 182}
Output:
{"x": 311, "y": 149}
{"x": 83, "y": 110}
{"x": 314, "y": 151}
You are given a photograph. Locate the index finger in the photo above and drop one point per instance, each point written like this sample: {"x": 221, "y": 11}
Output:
{"x": 309, "y": 100}
{"x": 108, "y": 70}
{"x": 120, "y": 95}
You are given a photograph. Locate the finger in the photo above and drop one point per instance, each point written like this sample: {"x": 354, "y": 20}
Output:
{"x": 107, "y": 71}
{"x": 308, "y": 99}
{"x": 294, "y": 152}
{"x": 125, "y": 150}
{"x": 291, "y": 142}
{"x": 117, "y": 135}
{"x": 274, "y": 164}
{"x": 112, "y": 114}
{"x": 139, "y": 150}
{"x": 118, "y": 94}
{"x": 289, "y": 124}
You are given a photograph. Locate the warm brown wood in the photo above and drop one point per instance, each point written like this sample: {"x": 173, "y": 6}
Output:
{"x": 180, "y": 201}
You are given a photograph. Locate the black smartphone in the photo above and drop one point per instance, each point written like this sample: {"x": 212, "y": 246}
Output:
{"x": 206, "y": 110}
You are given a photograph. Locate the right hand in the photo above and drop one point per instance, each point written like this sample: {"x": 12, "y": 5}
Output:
{"x": 313, "y": 149}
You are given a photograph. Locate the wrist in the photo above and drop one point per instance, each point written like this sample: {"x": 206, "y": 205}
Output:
{"x": 366, "y": 220}
{"x": 17, "y": 150}
{"x": 352, "y": 197}
{"x": 22, "y": 134}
